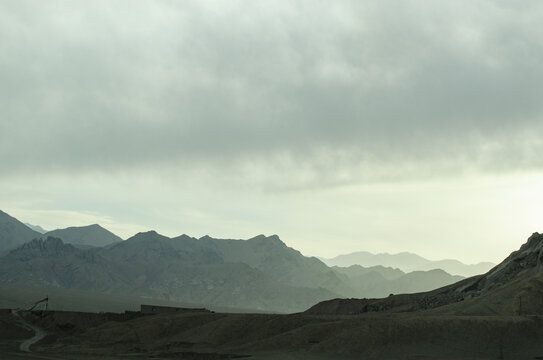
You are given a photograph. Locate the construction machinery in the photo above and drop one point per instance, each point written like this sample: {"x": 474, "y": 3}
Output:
{"x": 42, "y": 301}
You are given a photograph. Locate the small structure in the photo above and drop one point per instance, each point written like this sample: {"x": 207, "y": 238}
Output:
{"x": 156, "y": 309}
{"x": 42, "y": 301}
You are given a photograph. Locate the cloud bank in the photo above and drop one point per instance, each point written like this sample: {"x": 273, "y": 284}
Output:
{"x": 338, "y": 90}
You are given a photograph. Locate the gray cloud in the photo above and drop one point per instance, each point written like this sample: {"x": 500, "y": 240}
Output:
{"x": 334, "y": 90}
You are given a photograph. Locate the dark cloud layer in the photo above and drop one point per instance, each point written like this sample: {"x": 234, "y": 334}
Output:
{"x": 440, "y": 85}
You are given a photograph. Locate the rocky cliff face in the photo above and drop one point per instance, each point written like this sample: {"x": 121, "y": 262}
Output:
{"x": 50, "y": 247}
{"x": 522, "y": 262}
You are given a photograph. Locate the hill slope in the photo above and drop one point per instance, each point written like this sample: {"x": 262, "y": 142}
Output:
{"x": 513, "y": 287}
{"x": 14, "y": 233}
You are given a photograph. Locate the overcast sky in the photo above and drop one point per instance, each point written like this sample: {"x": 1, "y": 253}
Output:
{"x": 384, "y": 126}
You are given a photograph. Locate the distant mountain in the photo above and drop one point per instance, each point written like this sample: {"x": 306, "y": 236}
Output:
{"x": 208, "y": 273}
{"x": 42, "y": 249}
{"x": 50, "y": 262}
{"x": 514, "y": 287}
{"x": 354, "y": 271}
{"x": 416, "y": 281}
{"x": 151, "y": 265}
{"x": 456, "y": 267}
{"x": 408, "y": 262}
{"x": 378, "y": 281}
{"x": 280, "y": 262}
{"x": 14, "y": 233}
{"x": 36, "y": 228}
{"x": 261, "y": 273}
{"x": 91, "y": 235}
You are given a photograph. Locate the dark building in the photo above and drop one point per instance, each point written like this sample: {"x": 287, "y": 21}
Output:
{"x": 156, "y": 309}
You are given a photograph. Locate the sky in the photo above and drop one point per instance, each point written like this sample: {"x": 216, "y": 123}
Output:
{"x": 342, "y": 126}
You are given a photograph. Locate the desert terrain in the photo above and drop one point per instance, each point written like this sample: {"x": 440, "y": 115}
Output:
{"x": 424, "y": 335}
{"x": 498, "y": 315}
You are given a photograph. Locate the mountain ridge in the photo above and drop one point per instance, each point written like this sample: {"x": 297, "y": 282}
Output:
{"x": 407, "y": 262}
{"x": 152, "y": 266}
{"x": 14, "y": 233}
{"x": 261, "y": 273}
{"x": 513, "y": 287}
{"x": 89, "y": 235}
{"x": 36, "y": 228}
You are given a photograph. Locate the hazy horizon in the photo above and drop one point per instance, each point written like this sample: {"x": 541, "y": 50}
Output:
{"x": 324, "y": 256}
{"x": 344, "y": 126}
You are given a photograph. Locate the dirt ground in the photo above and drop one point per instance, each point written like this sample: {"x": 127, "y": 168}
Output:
{"x": 72, "y": 335}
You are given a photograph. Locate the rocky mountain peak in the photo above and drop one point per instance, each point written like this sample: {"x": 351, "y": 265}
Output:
{"x": 147, "y": 236}
{"x": 528, "y": 256}
{"x": 90, "y": 235}
{"x": 275, "y": 238}
{"x": 521, "y": 262}
{"x": 534, "y": 243}
{"x": 49, "y": 247}
{"x": 272, "y": 239}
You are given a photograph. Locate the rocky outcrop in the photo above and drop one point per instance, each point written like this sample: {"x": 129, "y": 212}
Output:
{"x": 42, "y": 248}
{"x": 527, "y": 258}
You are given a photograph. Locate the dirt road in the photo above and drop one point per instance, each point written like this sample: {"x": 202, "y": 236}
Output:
{"x": 38, "y": 333}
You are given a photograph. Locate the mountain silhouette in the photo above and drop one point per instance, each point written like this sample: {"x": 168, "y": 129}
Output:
{"x": 260, "y": 273}
{"x": 513, "y": 287}
{"x": 91, "y": 235}
{"x": 14, "y": 233}
{"x": 408, "y": 262}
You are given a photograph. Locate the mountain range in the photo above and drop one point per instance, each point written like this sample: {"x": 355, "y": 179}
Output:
{"x": 153, "y": 266}
{"x": 14, "y": 233}
{"x": 513, "y": 287}
{"x": 408, "y": 262}
{"x": 496, "y": 315}
{"x": 261, "y": 273}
